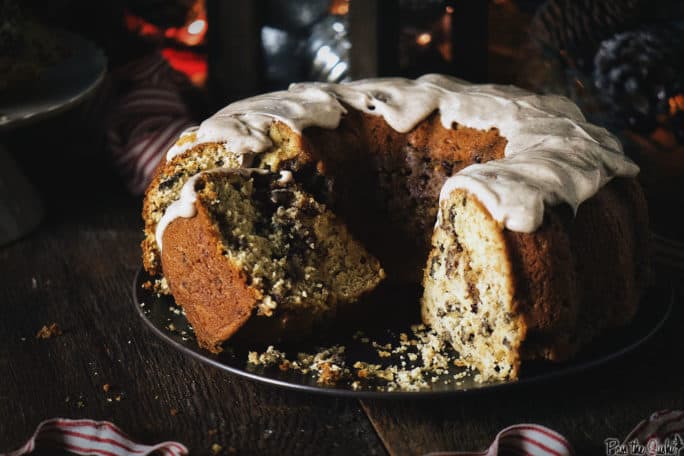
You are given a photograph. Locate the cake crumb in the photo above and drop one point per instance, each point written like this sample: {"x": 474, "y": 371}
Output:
{"x": 175, "y": 310}
{"x": 80, "y": 403}
{"x": 173, "y": 411}
{"x": 269, "y": 357}
{"x": 423, "y": 360}
{"x": 161, "y": 287}
{"x": 329, "y": 373}
{"x": 460, "y": 375}
{"x": 216, "y": 448}
{"x": 49, "y": 331}
{"x": 106, "y": 387}
{"x": 328, "y": 365}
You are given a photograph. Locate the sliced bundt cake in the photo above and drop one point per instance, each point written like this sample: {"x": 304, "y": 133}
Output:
{"x": 258, "y": 245}
{"x": 540, "y": 228}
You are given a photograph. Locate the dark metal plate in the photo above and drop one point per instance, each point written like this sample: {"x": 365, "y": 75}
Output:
{"x": 165, "y": 320}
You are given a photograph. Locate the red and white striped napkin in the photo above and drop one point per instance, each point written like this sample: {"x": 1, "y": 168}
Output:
{"x": 665, "y": 427}
{"x": 145, "y": 117}
{"x": 660, "y": 433}
{"x": 88, "y": 437}
{"x": 521, "y": 439}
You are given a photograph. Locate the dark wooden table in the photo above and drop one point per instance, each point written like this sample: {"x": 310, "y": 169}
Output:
{"x": 77, "y": 269}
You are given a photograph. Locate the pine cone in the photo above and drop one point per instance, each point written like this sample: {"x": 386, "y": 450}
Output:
{"x": 577, "y": 27}
{"x": 637, "y": 72}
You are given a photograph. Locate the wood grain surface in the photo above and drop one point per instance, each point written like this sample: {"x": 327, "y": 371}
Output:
{"x": 77, "y": 269}
{"x": 586, "y": 408}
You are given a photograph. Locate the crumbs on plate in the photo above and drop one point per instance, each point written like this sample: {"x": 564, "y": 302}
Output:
{"x": 412, "y": 364}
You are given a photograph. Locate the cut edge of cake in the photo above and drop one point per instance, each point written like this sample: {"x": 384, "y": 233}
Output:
{"x": 469, "y": 289}
{"x": 260, "y": 246}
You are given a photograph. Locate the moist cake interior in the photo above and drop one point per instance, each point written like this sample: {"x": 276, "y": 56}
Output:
{"x": 290, "y": 247}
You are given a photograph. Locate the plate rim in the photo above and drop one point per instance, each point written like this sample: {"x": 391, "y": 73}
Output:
{"x": 668, "y": 292}
{"x": 10, "y": 122}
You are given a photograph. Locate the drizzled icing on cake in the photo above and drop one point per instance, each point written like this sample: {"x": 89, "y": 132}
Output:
{"x": 184, "y": 206}
{"x": 553, "y": 155}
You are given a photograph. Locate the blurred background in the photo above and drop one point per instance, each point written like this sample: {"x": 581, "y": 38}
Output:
{"x": 169, "y": 64}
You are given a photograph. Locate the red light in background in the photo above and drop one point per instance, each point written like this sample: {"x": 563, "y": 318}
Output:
{"x": 193, "y": 65}
{"x": 179, "y": 41}
{"x": 192, "y": 33}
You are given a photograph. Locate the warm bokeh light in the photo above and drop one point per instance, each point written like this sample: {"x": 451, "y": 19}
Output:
{"x": 194, "y": 66}
{"x": 182, "y": 45}
{"x": 676, "y": 103}
{"x": 140, "y": 26}
{"x": 424, "y": 39}
{"x": 197, "y": 27}
{"x": 190, "y": 34}
{"x": 339, "y": 7}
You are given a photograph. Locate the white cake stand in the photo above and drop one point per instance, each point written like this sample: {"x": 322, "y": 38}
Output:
{"x": 62, "y": 87}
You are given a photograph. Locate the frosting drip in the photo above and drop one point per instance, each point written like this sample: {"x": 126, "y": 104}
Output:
{"x": 553, "y": 155}
{"x": 242, "y": 127}
{"x": 184, "y": 206}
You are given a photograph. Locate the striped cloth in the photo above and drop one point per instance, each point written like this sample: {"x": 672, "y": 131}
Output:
{"x": 146, "y": 116}
{"x": 88, "y": 437}
{"x": 521, "y": 439}
{"x": 665, "y": 426}
{"x": 660, "y": 433}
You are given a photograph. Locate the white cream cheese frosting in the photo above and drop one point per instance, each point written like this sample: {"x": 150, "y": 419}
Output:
{"x": 184, "y": 206}
{"x": 553, "y": 155}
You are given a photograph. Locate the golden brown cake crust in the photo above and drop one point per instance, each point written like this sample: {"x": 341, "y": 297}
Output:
{"x": 579, "y": 275}
{"x": 610, "y": 244}
{"x": 211, "y": 289}
{"x": 544, "y": 283}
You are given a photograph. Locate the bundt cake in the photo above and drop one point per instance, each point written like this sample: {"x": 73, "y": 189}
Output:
{"x": 524, "y": 221}
{"x": 259, "y": 243}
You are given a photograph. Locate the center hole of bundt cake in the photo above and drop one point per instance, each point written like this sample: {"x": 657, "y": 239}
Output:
{"x": 385, "y": 184}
